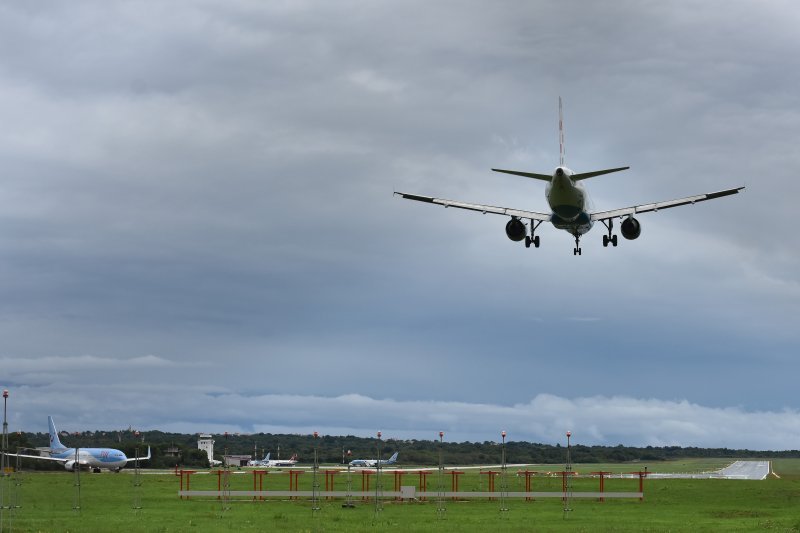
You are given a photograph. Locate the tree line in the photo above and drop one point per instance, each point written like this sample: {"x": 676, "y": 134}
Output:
{"x": 171, "y": 449}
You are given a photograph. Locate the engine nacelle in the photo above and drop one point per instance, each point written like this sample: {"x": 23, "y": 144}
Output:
{"x": 70, "y": 465}
{"x": 515, "y": 229}
{"x": 630, "y": 228}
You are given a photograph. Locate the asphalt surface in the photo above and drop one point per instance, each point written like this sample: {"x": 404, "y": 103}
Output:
{"x": 738, "y": 470}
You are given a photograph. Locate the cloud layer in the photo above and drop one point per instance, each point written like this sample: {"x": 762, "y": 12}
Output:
{"x": 198, "y": 200}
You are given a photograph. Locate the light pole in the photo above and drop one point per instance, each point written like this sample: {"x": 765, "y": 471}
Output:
{"x": 378, "y": 477}
{"x": 440, "y": 508}
{"x": 4, "y": 461}
{"x": 315, "y": 482}
{"x": 567, "y": 482}
{"x": 503, "y": 486}
{"x": 348, "y": 504}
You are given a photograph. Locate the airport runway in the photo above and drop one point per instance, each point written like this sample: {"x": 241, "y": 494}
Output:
{"x": 737, "y": 470}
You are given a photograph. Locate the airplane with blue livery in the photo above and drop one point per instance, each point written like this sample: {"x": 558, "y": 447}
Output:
{"x": 569, "y": 204}
{"x": 89, "y": 458}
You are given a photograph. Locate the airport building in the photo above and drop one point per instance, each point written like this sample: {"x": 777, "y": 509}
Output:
{"x": 206, "y": 443}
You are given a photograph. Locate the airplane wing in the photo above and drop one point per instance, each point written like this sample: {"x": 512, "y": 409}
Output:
{"x": 644, "y": 208}
{"x": 60, "y": 460}
{"x": 140, "y": 458}
{"x": 477, "y": 207}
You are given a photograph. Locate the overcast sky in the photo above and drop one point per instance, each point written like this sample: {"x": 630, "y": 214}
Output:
{"x": 198, "y": 231}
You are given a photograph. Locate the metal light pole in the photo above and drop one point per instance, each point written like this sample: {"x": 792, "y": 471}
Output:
{"x": 137, "y": 478}
{"x": 4, "y": 461}
{"x": 503, "y": 482}
{"x": 440, "y": 508}
{"x": 348, "y": 504}
{"x": 226, "y": 480}
{"x": 378, "y": 488}
{"x": 567, "y": 483}
{"x": 315, "y": 482}
{"x": 4, "y": 493}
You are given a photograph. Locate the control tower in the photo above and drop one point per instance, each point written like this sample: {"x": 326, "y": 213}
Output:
{"x": 205, "y": 442}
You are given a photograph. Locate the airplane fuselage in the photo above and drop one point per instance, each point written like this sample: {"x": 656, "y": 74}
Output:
{"x": 109, "y": 458}
{"x": 569, "y": 202}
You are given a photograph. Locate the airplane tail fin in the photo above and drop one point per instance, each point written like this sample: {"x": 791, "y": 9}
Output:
{"x": 293, "y": 457}
{"x": 55, "y": 444}
{"x": 393, "y": 458}
{"x": 266, "y": 457}
{"x": 560, "y": 134}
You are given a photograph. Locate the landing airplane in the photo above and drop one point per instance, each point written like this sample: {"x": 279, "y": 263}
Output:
{"x": 569, "y": 204}
{"x": 91, "y": 458}
{"x": 371, "y": 463}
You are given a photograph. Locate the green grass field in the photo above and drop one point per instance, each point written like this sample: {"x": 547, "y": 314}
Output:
{"x": 107, "y": 502}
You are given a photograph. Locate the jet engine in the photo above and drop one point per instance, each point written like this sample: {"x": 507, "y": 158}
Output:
{"x": 515, "y": 229}
{"x": 630, "y": 228}
{"x": 70, "y": 465}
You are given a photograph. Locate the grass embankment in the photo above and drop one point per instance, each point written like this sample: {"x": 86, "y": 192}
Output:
{"x": 107, "y": 502}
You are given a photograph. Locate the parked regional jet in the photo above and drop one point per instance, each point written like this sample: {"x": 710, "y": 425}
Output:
{"x": 569, "y": 204}
{"x": 371, "y": 463}
{"x": 291, "y": 461}
{"x": 92, "y": 458}
{"x": 266, "y": 461}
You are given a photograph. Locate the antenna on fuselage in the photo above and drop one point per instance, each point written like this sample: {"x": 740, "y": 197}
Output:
{"x": 560, "y": 133}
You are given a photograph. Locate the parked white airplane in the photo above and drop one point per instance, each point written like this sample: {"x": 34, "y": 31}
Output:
{"x": 266, "y": 461}
{"x": 92, "y": 458}
{"x": 569, "y": 204}
{"x": 371, "y": 463}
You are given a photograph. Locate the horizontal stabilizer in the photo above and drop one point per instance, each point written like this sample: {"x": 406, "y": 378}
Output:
{"x": 549, "y": 177}
{"x": 584, "y": 175}
{"x": 543, "y": 177}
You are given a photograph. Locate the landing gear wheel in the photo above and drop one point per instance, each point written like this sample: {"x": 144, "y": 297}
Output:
{"x": 527, "y": 242}
{"x": 536, "y": 241}
{"x": 609, "y": 239}
{"x": 576, "y": 251}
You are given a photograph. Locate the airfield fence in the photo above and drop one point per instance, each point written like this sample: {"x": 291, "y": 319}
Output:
{"x": 405, "y": 492}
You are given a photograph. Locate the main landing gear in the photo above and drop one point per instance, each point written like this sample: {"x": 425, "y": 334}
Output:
{"x": 533, "y": 239}
{"x": 609, "y": 238}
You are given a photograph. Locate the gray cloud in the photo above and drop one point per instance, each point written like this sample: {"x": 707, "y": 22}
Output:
{"x": 211, "y": 184}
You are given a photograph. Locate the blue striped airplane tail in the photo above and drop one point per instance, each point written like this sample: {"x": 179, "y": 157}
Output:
{"x": 55, "y": 444}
